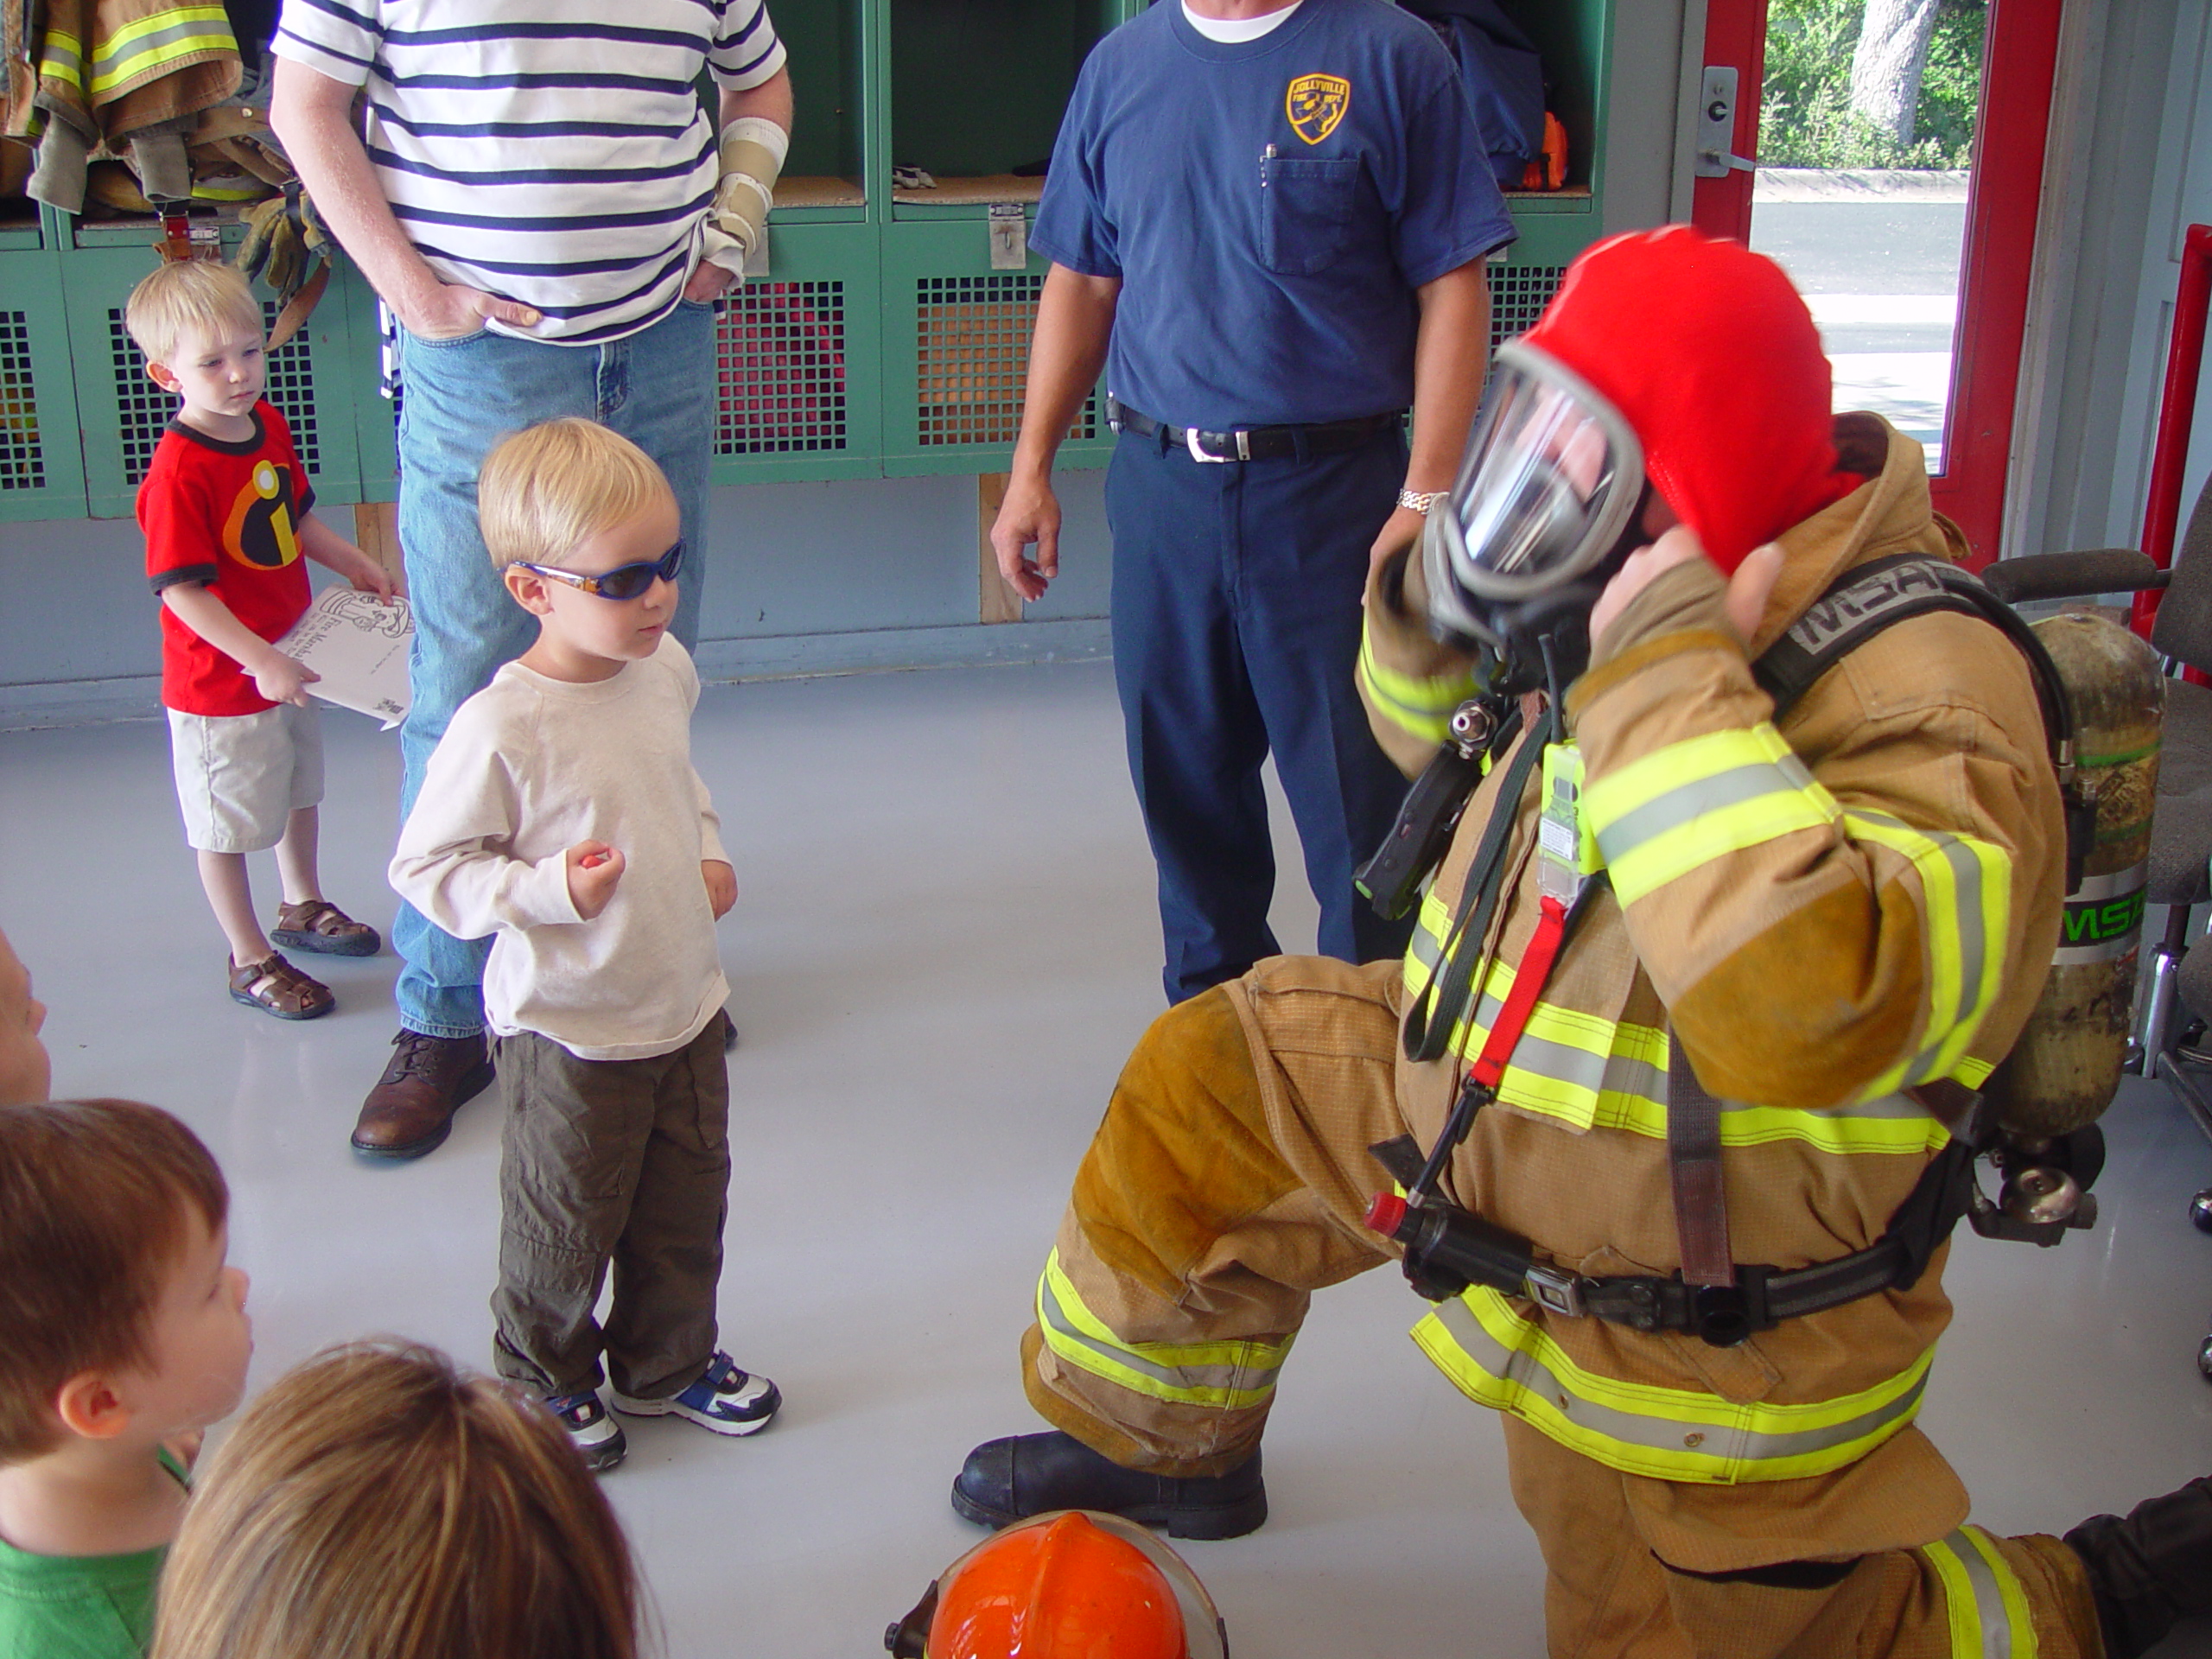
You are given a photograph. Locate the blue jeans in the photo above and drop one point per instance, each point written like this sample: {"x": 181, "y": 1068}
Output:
{"x": 461, "y": 397}
{"x": 1236, "y": 616}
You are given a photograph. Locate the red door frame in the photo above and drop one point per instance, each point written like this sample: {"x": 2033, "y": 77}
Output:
{"x": 2019, "y": 63}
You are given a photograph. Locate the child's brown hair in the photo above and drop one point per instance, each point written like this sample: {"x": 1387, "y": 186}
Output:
{"x": 93, "y": 1196}
{"x": 378, "y": 1503}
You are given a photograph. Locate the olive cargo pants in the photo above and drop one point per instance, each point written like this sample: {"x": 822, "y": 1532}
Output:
{"x": 620, "y": 1163}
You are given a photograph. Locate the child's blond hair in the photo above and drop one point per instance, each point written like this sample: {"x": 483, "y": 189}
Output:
{"x": 545, "y": 490}
{"x": 187, "y": 297}
{"x": 379, "y": 1503}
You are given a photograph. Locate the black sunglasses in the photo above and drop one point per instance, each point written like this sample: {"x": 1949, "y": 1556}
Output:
{"x": 624, "y": 581}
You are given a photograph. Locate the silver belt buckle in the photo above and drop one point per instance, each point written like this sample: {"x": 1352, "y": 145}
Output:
{"x": 1190, "y": 443}
{"x": 1555, "y": 1289}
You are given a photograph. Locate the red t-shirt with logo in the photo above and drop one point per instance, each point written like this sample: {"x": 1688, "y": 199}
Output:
{"x": 227, "y": 515}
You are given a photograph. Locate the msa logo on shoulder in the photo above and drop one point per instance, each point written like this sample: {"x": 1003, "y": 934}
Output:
{"x": 1867, "y": 602}
{"x": 1316, "y": 104}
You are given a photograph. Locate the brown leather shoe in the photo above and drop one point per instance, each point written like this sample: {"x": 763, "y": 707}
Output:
{"x": 410, "y": 1110}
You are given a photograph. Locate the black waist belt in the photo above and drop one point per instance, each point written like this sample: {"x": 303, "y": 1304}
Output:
{"x": 1762, "y": 1297}
{"x": 1256, "y": 443}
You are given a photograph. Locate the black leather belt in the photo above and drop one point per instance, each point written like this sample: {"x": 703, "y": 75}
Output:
{"x": 1255, "y": 443}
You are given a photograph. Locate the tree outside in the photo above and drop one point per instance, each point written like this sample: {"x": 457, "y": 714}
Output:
{"x": 1872, "y": 83}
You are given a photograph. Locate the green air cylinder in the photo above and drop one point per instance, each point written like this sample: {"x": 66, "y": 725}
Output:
{"x": 2065, "y": 1068}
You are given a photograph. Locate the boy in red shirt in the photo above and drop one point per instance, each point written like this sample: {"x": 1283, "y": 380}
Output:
{"x": 226, "y": 509}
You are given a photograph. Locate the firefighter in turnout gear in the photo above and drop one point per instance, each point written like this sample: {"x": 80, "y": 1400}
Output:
{"x": 1658, "y": 1110}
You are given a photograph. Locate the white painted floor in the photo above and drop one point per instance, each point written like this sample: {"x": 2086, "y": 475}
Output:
{"x": 946, "y": 946}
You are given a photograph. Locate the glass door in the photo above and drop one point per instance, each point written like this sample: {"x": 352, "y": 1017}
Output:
{"x": 1898, "y": 149}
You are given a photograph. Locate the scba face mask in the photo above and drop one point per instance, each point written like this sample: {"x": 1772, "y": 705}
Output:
{"x": 1547, "y": 503}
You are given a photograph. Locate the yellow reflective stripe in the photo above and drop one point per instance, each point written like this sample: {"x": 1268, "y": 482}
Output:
{"x": 1609, "y": 799}
{"x": 1986, "y": 1605}
{"x": 1590, "y": 1072}
{"x": 145, "y": 48}
{"x": 1220, "y": 1375}
{"x": 1422, "y": 707}
{"x": 62, "y": 57}
{"x": 1966, "y": 885}
{"x": 1685, "y": 805}
{"x": 1503, "y": 1359}
{"x": 1974, "y": 1072}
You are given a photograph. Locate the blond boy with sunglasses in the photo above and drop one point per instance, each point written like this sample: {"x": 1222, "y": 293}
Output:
{"x": 561, "y": 813}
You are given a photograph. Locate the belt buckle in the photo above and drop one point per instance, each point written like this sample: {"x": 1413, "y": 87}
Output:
{"x": 1556, "y": 1288}
{"x": 1190, "y": 443}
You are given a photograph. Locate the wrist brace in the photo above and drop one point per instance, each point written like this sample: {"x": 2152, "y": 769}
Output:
{"x": 753, "y": 151}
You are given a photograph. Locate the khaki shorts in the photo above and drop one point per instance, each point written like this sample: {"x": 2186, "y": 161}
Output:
{"x": 240, "y": 776}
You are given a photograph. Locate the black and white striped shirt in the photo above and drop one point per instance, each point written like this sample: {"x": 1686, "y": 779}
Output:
{"x": 549, "y": 151}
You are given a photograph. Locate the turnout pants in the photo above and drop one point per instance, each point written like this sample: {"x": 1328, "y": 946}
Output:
{"x": 611, "y": 1162}
{"x": 1237, "y": 607}
{"x": 1214, "y": 1200}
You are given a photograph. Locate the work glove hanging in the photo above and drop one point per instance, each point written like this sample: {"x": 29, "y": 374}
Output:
{"x": 752, "y": 152}
{"x": 284, "y": 240}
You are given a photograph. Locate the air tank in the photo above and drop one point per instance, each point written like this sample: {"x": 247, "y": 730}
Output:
{"x": 2065, "y": 1068}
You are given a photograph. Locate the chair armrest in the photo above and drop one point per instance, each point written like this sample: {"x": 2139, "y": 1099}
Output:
{"x": 2072, "y": 575}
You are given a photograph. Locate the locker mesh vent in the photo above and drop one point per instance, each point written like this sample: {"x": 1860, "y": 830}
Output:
{"x": 22, "y": 459}
{"x": 1518, "y": 294}
{"x": 142, "y": 409}
{"x": 780, "y": 348}
{"x": 975, "y": 357}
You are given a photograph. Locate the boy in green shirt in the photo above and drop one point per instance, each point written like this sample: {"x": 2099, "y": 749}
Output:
{"x": 122, "y": 1335}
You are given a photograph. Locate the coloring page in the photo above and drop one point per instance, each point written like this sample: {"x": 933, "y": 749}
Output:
{"x": 358, "y": 644}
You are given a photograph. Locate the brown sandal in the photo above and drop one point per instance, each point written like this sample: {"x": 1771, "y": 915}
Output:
{"x": 276, "y": 986}
{"x": 319, "y": 926}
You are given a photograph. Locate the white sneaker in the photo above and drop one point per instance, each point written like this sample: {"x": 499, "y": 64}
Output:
{"x": 724, "y": 1399}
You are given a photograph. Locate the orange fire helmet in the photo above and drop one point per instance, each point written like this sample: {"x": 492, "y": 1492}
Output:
{"x": 1076, "y": 1584}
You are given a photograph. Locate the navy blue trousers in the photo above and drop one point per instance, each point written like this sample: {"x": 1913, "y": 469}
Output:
{"x": 1237, "y": 614}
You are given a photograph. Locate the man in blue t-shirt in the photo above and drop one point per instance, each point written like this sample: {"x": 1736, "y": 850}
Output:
{"x": 1275, "y": 213}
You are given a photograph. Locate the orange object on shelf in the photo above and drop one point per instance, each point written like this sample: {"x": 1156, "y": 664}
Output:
{"x": 1550, "y": 172}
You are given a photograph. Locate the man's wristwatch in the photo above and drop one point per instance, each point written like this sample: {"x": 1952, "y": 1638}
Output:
{"x": 1420, "y": 501}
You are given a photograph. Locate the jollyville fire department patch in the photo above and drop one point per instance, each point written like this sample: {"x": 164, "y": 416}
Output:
{"x": 1316, "y": 104}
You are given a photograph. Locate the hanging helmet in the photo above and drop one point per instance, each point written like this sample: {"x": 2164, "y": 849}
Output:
{"x": 1074, "y": 1583}
{"x": 1669, "y": 361}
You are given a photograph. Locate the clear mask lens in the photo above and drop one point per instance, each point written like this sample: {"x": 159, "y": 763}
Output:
{"x": 1551, "y": 473}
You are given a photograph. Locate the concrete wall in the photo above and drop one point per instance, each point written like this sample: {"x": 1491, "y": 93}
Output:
{"x": 801, "y": 578}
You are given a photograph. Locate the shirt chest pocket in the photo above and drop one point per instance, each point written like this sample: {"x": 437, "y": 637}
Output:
{"x": 1307, "y": 208}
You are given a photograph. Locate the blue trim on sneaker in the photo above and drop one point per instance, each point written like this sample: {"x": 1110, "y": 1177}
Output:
{"x": 594, "y": 1435}
{"x": 725, "y": 1400}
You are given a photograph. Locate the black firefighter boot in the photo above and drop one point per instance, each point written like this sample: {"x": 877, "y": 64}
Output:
{"x": 2150, "y": 1569}
{"x": 1004, "y": 1481}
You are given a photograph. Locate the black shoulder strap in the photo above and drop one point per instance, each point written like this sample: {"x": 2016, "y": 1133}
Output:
{"x": 1876, "y": 595}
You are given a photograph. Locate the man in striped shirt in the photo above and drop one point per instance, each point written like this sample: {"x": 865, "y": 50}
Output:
{"x": 536, "y": 191}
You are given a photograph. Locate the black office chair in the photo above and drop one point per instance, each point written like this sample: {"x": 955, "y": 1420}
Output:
{"x": 2169, "y": 1040}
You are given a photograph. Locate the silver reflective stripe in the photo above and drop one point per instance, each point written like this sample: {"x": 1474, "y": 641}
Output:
{"x": 1228, "y": 1378}
{"x": 2113, "y": 886}
{"x": 1973, "y": 943}
{"x": 1688, "y": 801}
{"x": 1662, "y": 1434}
{"x": 1578, "y": 1067}
{"x": 1882, "y": 1106}
{"x": 1988, "y": 1600}
{"x": 108, "y": 62}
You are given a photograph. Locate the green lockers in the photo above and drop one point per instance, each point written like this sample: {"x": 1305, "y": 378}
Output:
{"x": 41, "y": 464}
{"x": 882, "y": 336}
